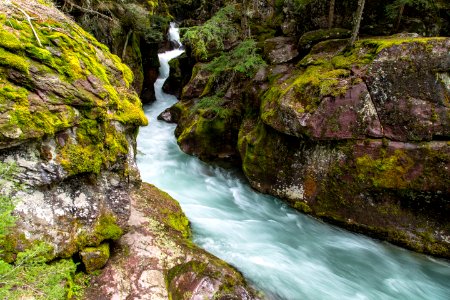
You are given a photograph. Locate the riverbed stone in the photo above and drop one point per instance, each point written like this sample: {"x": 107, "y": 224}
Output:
{"x": 156, "y": 259}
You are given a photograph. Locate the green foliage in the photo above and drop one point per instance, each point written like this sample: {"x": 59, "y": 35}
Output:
{"x": 32, "y": 275}
{"x": 244, "y": 59}
{"x": 210, "y": 36}
{"x": 7, "y": 221}
{"x": 212, "y": 104}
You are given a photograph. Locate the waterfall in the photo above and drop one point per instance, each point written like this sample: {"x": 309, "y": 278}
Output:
{"x": 174, "y": 35}
{"x": 164, "y": 58}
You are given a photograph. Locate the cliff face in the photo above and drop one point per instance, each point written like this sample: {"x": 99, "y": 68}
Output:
{"x": 358, "y": 137}
{"x": 68, "y": 120}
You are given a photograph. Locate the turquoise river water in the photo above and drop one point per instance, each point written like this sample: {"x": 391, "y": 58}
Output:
{"x": 283, "y": 253}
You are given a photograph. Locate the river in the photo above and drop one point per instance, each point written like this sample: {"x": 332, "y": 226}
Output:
{"x": 283, "y": 253}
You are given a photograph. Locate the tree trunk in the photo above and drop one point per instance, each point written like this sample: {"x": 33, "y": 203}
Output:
{"x": 331, "y": 14}
{"x": 357, "y": 21}
{"x": 244, "y": 21}
{"x": 124, "y": 52}
{"x": 400, "y": 15}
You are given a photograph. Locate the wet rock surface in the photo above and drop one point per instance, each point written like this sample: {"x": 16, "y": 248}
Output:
{"x": 357, "y": 137}
{"x": 155, "y": 259}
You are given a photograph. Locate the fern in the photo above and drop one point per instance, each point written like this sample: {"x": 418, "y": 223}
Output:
{"x": 243, "y": 59}
{"x": 211, "y": 35}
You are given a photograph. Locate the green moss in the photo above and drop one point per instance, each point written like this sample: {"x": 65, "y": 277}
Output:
{"x": 88, "y": 132}
{"x": 95, "y": 258}
{"x": 126, "y": 72}
{"x": 178, "y": 221}
{"x": 107, "y": 228}
{"x": 302, "y": 206}
{"x": 198, "y": 268}
{"x": 76, "y": 158}
{"x": 129, "y": 111}
{"x": 7, "y": 59}
{"x": 42, "y": 55}
{"x": 381, "y": 43}
{"x": 9, "y": 41}
{"x": 115, "y": 144}
{"x": 13, "y": 93}
{"x": 385, "y": 172}
{"x": 312, "y": 37}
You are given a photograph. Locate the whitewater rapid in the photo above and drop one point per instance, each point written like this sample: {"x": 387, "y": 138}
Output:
{"x": 285, "y": 254}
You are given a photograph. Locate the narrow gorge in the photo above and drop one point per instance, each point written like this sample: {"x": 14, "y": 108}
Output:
{"x": 294, "y": 149}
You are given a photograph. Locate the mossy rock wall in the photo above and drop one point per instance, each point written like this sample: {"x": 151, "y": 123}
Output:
{"x": 69, "y": 120}
{"x": 358, "y": 137}
{"x": 390, "y": 190}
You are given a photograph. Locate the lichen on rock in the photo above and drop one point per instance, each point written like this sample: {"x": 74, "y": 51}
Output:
{"x": 68, "y": 119}
{"x": 347, "y": 134}
{"x": 157, "y": 258}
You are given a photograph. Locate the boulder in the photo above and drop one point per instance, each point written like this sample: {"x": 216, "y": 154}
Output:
{"x": 280, "y": 49}
{"x": 156, "y": 259}
{"x": 310, "y": 38}
{"x": 95, "y": 258}
{"x": 68, "y": 121}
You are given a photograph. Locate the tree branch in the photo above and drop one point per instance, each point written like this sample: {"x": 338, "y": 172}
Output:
{"x": 126, "y": 44}
{"x": 27, "y": 16}
{"x": 88, "y": 10}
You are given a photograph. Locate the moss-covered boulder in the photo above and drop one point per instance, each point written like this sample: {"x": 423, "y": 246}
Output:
{"x": 310, "y": 38}
{"x": 212, "y": 104}
{"x": 393, "y": 87}
{"x": 157, "y": 257}
{"x": 359, "y": 137}
{"x": 95, "y": 258}
{"x": 68, "y": 119}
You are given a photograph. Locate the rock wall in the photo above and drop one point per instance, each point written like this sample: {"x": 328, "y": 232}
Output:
{"x": 358, "y": 137}
{"x": 69, "y": 119}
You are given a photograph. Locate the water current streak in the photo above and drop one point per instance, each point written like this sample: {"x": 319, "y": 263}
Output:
{"x": 282, "y": 252}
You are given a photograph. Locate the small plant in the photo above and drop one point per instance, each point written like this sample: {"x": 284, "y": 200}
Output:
{"x": 213, "y": 104}
{"x": 243, "y": 59}
{"x": 210, "y": 36}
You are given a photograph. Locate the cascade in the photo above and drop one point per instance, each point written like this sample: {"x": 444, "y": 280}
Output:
{"x": 164, "y": 58}
{"x": 174, "y": 35}
{"x": 285, "y": 254}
